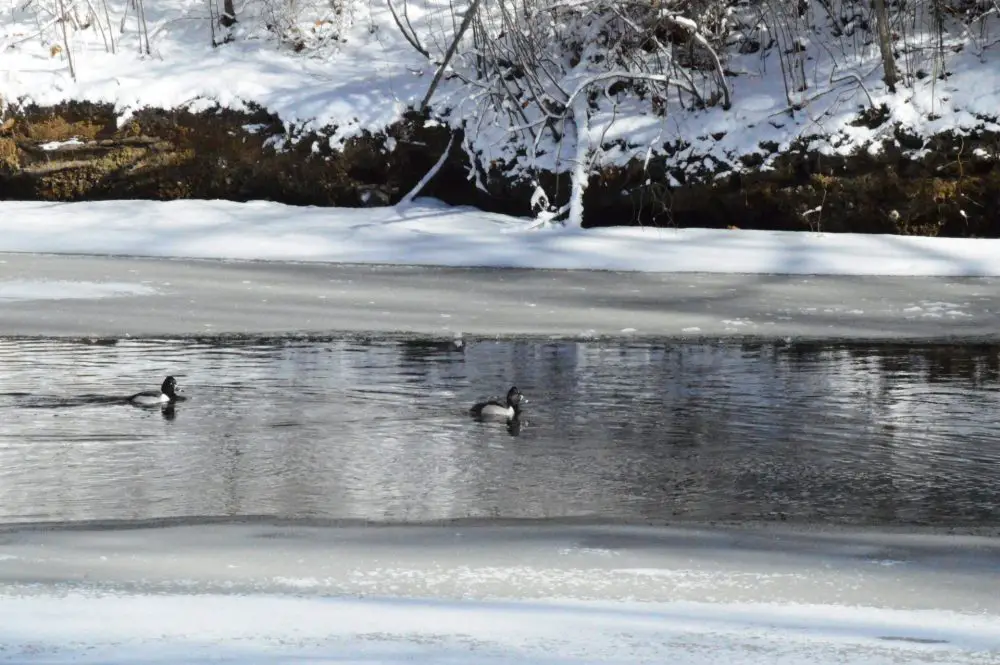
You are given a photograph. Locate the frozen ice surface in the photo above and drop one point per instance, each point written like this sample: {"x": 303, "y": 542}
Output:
{"x": 28, "y": 289}
{"x": 482, "y": 594}
{"x": 216, "y": 297}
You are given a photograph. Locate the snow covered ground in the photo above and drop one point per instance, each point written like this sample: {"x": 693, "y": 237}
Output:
{"x": 430, "y": 233}
{"x": 364, "y": 83}
{"x": 357, "y": 72}
{"x": 477, "y": 594}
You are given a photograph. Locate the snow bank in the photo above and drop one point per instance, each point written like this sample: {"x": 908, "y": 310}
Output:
{"x": 364, "y": 84}
{"x": 430, "y": 233}
{"x": 257, "y": 629}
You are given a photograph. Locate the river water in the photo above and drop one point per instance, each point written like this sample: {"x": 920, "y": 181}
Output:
{"x": 378, "y": 431}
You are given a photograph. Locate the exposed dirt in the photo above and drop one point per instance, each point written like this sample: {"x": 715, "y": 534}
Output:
{"x": 953, "y": 189}
{"x": 159, "y": 154}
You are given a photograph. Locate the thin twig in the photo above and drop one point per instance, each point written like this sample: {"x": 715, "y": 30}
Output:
{"x": 65, "y": 34}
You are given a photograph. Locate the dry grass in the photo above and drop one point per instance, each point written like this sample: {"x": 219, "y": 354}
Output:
{"x": 10, "y": 158}
{"x": 57, "y": 128}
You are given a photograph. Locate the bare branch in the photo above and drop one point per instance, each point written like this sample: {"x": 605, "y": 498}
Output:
{"x": 406, "y": 29}
{"x": 692, "y": 28}
{"x": 469, "y": 15}
{"x": 69, "y": 52}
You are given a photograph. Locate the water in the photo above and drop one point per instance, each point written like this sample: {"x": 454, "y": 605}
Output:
{"x": 378, "y": 431}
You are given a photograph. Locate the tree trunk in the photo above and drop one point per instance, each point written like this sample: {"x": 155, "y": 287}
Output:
{"x": 228, "y": 18}
{"x": 885, "y": 45}
{"x": 580, "y": 175}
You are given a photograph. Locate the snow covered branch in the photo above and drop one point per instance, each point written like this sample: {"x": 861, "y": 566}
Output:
{"x": 412, "y": 194}
{"x": 546, "y": 64}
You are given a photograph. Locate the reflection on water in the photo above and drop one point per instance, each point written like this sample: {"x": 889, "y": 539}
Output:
{"x": 380, "y": 431}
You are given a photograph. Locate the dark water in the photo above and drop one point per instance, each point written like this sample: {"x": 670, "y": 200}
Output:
{"x": 379, "y": 431}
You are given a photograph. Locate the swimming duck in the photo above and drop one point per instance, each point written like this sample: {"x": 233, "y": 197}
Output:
{"x": 167, "y": 394}
{"x": 494, "y": 408}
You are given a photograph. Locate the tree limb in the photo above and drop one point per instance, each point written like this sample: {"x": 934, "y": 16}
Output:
{"x": 407, "y": 30}
{"x": 466, "y": 22}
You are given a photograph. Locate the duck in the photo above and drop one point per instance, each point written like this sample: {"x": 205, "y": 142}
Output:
{"x": 494, "y": 408}
{"x": 167, "y": 394}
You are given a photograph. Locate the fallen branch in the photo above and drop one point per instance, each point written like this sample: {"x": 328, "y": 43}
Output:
{"x": 546, "y": 217}
{"x": 834, "y": 84}
{"x": 623, "y": 75}
{"x": 412, "y": 194}
{"x": 41, "y": 31}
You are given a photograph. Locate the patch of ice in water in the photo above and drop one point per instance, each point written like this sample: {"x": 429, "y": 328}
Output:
{"x": 39, "y": 289}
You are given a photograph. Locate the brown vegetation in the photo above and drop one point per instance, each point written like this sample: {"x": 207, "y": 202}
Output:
{"x": 240, "y": 156}
{"x": 161, "y": 154}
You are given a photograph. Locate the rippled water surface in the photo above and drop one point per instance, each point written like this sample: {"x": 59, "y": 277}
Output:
{"x": 379, "y": 431}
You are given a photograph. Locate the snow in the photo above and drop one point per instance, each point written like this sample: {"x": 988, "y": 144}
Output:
{"x": 58, "y": 145}
{"x": 428, "y": 232}
{"x": 252, "y": 593}
{"x": 86, "y": 628}
{"x": 374, "y": 73}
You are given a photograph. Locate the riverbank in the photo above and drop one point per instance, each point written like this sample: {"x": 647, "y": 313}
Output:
{"x": 793, "y": 128}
